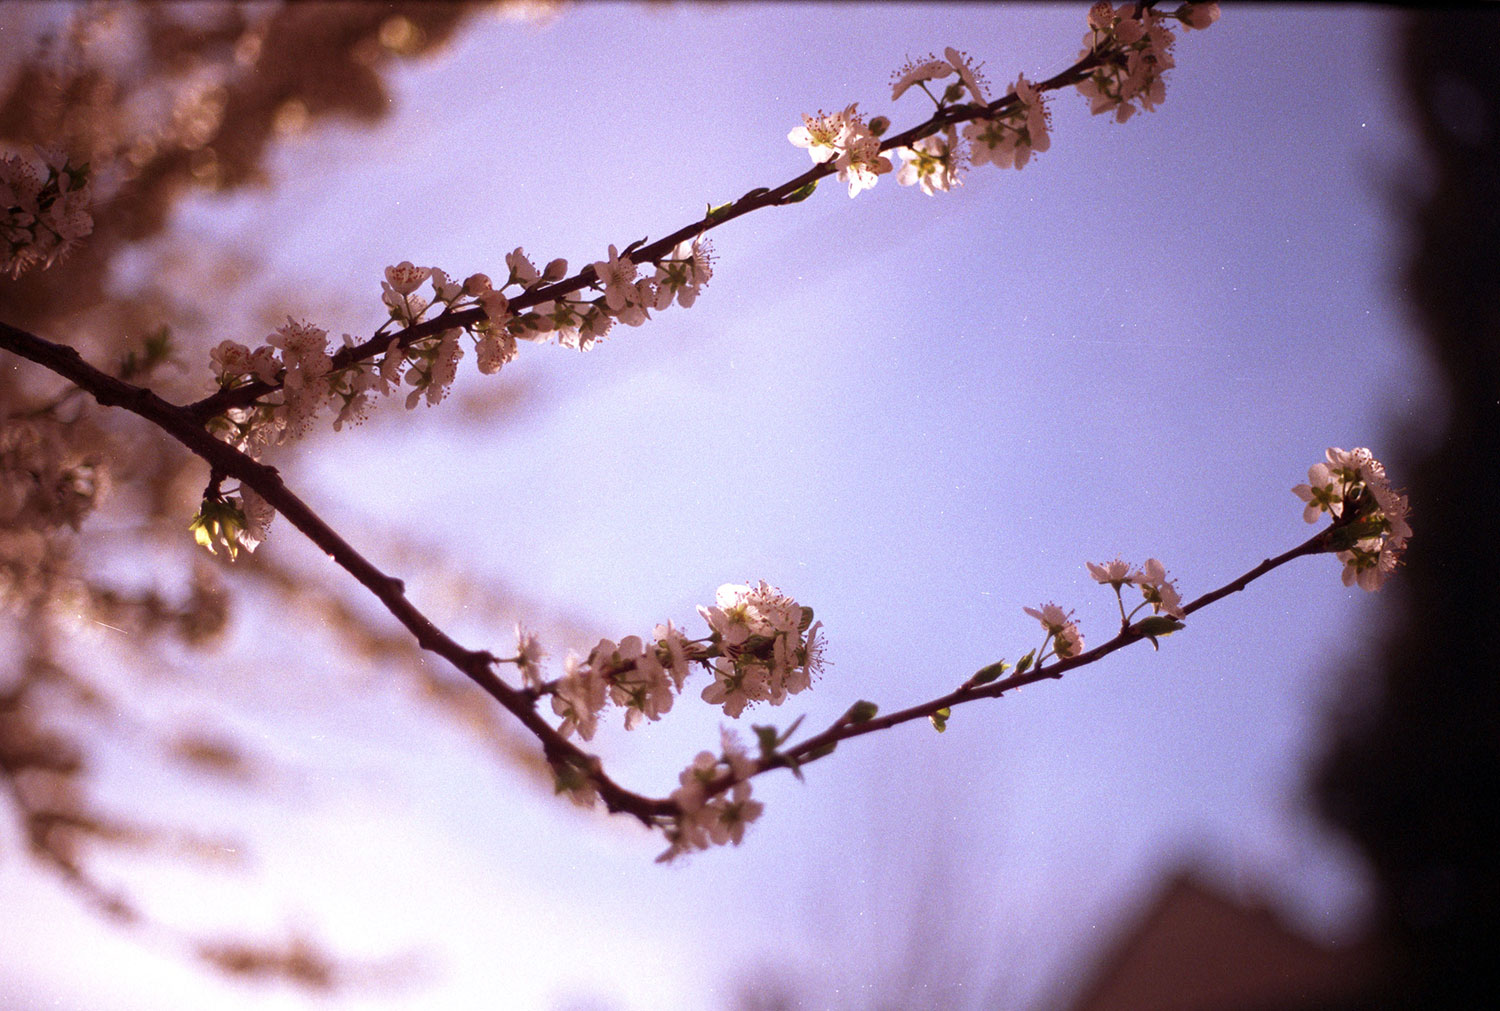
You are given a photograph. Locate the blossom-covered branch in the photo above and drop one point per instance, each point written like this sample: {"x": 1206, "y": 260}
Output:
{"x": 1126, "y": 52}
{"x": 987, "y": 684}
{"x": 266, "y": 482}
{"x": 1369, "y": 532}
{"x": 762, "y": 646}
{"x": 272, "y": 394}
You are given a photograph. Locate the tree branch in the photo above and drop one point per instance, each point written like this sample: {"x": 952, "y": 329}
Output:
{"x": 754, "y": 200}
{"x": 181, "y": 424}
{"x": 846, "y": 727}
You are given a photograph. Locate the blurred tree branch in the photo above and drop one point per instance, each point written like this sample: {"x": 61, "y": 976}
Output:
{"x": 174, "y": 99}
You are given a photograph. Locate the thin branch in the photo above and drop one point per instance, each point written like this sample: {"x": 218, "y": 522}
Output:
{"x": 845, "y": 727}
{"x": 477, "y": 665}
{"x": 180, "y": 423}
{"x": 188, "y": 425}
{"x": 756, "y": 199}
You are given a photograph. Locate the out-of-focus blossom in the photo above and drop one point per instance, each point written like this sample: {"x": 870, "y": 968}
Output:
{"x": 42, "y": 219}
{"x": 933, "y": 161}
{"x": 1008, "y": 140}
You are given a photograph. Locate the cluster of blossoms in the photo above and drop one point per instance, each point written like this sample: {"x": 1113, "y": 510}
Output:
{"x": 41, "y": 219}
{"x": 1007, "y": 140}
{"x": 1151, "y": 579}
{"x": 1157, "y": 592}
{"x": 768, "y": 647}
{"x": 307, "y": 377}
{"x": 704, "y": 820}
{"x": 935, "y": 161}
{"x": 1140, "y": 44}
{"x": 1062, "y": 631}
{"x": 762, "y": 646}
{"x": 679, "y": 277}
{"x": 1136, "y": 49}
{"x": 844, "y": 139}
{"x": 639, "y": 677}
{"x": 1352, "y": 488}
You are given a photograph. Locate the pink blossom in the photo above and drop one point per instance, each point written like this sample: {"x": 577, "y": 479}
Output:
{"x": 1159, "y": 591}
{"x": 405, "y": 278}
{"x": 824, "y": 134}
{"x": 968, "y": 73}
{"x": 916, "y": 71}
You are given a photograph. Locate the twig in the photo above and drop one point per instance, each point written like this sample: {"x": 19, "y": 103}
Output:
{"x": 180, "y": 423}
{"x": 477, "y": 665}
{"x": 756, "y": 199}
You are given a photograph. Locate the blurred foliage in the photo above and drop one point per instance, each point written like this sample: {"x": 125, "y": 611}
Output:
{"x": 1414, "y": 777}
{"x": 164, "y": 101}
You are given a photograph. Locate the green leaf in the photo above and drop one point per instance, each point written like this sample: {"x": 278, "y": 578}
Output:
{"x": 759, "y": 191}
{"x": 800, "y": 194}
{"x": 156, "y": 350}
{"x": 1158, "y": 625}
{"x": 715, "y": 213}
{"x": 762, "y": 646}
{"x": 1024, "y": 664}
{"x": 637, "y": 244}
{"x": 218, "y": 525}
{"x": 879, "y": 125}
{"x": 861, "y": 712}
{"x": 159, "y": 344}
{"x": 766, "y": 736}
{"x": 940, "y": 719}
{"x": 1346, "y": 537}
{"x": 822, "y": 752}
{"x": 986, "y": 674}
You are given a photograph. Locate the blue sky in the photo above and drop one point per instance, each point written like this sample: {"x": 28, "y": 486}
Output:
{"x": 915, "y": 414}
